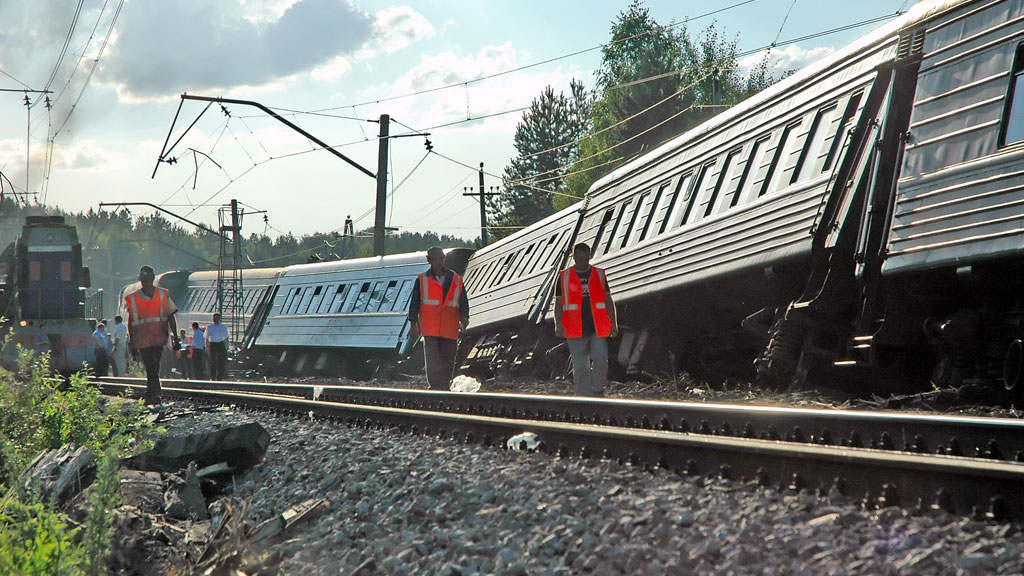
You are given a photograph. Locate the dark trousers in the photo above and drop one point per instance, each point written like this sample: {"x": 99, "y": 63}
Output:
{"x": 218, "y": 360}
{"x": 199, "y": 363}
{"x": 439, "y": 357}
{"x": 151, "y": 360}
{"x": 102, "y": 361}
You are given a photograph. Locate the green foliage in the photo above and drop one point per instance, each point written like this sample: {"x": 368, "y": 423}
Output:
{"x": 654, "y": 83}
{"x": 546, "y": 142}
{"x": 37, "y": 541}
{"x": 104, "y": 498}
{"x": 38, "y": 414}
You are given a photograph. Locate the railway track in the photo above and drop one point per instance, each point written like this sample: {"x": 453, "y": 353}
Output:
{"x": 854, "y": 453}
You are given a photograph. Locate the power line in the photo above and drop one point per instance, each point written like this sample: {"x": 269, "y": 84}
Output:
{"x": 533, "y": 65}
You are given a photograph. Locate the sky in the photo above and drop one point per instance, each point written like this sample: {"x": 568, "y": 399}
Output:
{"x": 460, "y": 71}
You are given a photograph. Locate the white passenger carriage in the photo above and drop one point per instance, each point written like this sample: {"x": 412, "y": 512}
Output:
{"x": 334, "y": 316}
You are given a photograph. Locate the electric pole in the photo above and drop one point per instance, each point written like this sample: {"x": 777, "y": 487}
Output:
{"x": 379, "y": 220}
{"x": 483, "y": 205}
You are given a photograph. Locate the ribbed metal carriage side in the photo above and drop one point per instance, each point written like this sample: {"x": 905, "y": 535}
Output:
{"x": 198, "y": 302}
{"x": 754, "y": 234}
{"x": 960, "y": 197}
{"x": 302, "y": 326}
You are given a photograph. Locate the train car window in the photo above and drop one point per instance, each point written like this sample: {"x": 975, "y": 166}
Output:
{"x": 65, "y": 271}
{"x": 838, "y": 130}
{"x": 376, "y": 297}
{"x": 671, "y": 205}
{"x": 548, "y": 250}
{"x": 626, "y": 221}
{"x": 605, "y": 219}
{"x": 698, "y": 188}
{"x": 537, "y": 255}
{"x": 641, "y": 216}
{"x": 35, "y": 271}
{"x": 815, "y": 151}
{"x": 729, "y": 180}
{"x": 389, "y": 296}
{"x": 314, "y": 302}
{"x": 339, "y": 298}
{"x": 610, "y": 244}
{"x": 753, "y": 173}
{"x": 506, "y": 267}
{"x": 297, "y": 301}
{"x": 358, "y": 299}
{"x": 652, "y": 207}
{"x": 285, "y": 299}
{"x": 780, "y": 168}
{"x": 1013, "y": 115}
{"x": 527, "y": 256}
{"x": 404, "y": 295}
{"x": 713, "y": 187}
{"x": 326, "y": 301}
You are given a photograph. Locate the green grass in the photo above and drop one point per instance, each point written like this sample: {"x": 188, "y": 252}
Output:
{"x": 39, "y": 413}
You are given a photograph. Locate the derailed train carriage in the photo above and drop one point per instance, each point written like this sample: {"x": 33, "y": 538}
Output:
{"x": 342, "y": 317}
{"x": 859, "y": 220}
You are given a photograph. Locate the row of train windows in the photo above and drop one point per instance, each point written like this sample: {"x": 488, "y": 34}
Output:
{"x": 771, "y": 163}
{"x": 206, "y": 300}
{"x": 384, "y": 296}
{"x": 537, "y": 255}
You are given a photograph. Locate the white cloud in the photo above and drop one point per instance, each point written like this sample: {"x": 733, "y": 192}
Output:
{"x": 784, "y": 60}
{"x": 399, "y": 27}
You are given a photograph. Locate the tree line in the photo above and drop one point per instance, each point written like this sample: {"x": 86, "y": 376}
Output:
{"x": 655, "y": 81}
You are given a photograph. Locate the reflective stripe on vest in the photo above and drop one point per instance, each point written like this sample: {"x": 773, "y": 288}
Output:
{"x": 439, "y": 314}
{"x": 572, "y": 300}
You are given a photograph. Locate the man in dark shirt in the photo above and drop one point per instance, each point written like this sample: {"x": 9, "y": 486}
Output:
{"x": 586, "y": 318}
{"x": 441, "y": 325}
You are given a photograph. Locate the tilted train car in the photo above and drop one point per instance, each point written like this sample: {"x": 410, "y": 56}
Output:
{"x": 44, "y": 293}
{"x": 337, "y": 316}
{"x": 859, "y": 218}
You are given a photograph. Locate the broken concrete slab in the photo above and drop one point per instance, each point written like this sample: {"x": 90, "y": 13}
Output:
{"x": 59, "y": 471}
{"x": 184, "y": 499}
{"x": 143, "y": 490}
{"x": 241, "y": 447}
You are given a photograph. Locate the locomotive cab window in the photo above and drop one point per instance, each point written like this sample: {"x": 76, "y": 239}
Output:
{"x": 1013, "y": 117}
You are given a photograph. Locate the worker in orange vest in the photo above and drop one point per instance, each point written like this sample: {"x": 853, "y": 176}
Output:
{"x": 150, "y": 316}
{"x": 585, "y": 316}
{"x": 439, "y": 310}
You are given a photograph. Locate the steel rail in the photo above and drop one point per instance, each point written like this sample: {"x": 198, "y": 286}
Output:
{"x": 960, "y": 485}
{"x": 994, "y": 438}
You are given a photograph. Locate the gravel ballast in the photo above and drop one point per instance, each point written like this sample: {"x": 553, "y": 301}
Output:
{"x": 401, "y": 504}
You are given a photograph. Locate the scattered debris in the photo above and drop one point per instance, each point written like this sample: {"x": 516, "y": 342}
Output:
{"x": 184, "y": 499}
{"x": 58, "y": 471}
{"x": 284, "y": 521}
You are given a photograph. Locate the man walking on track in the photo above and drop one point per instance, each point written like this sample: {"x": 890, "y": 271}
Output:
{"x": 585, "y": 316}
{"x": 150, "y": 318}
{"x": 439, "y": 310}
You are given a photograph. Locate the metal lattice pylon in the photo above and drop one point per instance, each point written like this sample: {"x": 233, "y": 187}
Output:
{"x": 230, "y": 303}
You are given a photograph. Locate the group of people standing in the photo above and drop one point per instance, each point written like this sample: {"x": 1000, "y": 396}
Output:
{"x": 111, "y": 348}
{"x": 207, "y": 345}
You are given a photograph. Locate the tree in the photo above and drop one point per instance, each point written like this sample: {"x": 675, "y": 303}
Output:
{"x": 654, "y": 83}
{"x": 546, "y": 142}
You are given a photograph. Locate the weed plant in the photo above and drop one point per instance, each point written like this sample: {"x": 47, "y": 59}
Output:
{"x": 40, "y": 413}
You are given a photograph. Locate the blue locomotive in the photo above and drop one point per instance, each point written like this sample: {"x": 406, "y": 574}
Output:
{"x": 42, "y": 295}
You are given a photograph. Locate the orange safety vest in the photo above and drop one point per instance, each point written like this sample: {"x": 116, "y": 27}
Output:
{"x": 147, "y": 319}
{"x": 439, "y": 316}
{"x": 572, "y": 302}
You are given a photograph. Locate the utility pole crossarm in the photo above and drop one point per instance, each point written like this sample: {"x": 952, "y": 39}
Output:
{"x": 284, "y": 121}
{"x": 151, "y": 205}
